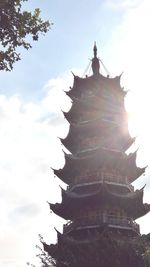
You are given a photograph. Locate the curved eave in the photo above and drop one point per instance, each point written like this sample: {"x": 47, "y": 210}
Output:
{"x": 117, "y": 87}
{"x": 97, "y": 83}
{"x": 132, "y": 203}
{"x": 134, "y": 173}
{"x": 69, "y": 93}
{"x": 115, "y": 82}
{"x": 97, "y": 159}
{"x": 130, "y": 168}
{"x": 52, "y": 249}
{"x": 104, "y": 106}
{"x": 129, "y": 142}
{"x": 72, "y": 142}
{"x": 59, "y": 210}
{"x": 67, "y": 115}
{"x": 130, "y": 161}
{"x": 100, "y": 128}
{"x": 96, "y": 126}
{"x": 81, "y": 106}
{"x": 104, "y": 190}
{"x": 74, "y": 163}
{"x": 101, "y": 100}
{"x": 76, "y": 89}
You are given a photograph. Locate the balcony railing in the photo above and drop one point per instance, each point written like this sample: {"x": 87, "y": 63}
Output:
{"x": 110, "y": 220}
{"x": 101, "y": 177}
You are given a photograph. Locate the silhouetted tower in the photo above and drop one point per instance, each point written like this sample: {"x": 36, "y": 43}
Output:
{"x": 98, "y": 172}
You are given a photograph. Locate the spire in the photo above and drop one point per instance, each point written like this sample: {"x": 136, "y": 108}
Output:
{"x": 95, "y": 50}
{"x": 95, "y": 61}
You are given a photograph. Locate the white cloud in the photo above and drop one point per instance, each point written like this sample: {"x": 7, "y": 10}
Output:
{"x": 123, "y": 4}
{"x": 29, "y": 146}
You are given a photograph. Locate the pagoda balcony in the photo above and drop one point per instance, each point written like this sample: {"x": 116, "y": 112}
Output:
{"x": 116, "y": 222}
{"x": 100, "y": 177}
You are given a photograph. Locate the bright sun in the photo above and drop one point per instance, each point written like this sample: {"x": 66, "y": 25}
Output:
{"x": 137, "y": 104}
{"x": 138, "y": 108}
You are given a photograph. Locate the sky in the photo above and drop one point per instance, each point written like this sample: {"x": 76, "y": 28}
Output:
{"x": 32, "y": 98}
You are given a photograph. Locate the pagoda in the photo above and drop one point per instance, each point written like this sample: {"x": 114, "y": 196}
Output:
{"x": 100, "y": 197}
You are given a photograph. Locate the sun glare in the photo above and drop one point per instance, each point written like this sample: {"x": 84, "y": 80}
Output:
{"x": 138, "y": 108}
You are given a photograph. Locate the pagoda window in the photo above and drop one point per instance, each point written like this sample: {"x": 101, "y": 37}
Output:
{"x": 99, "y": 175}
{"x": 106, "y": 215}
{"x": 85, "y": 178}
{"x": 113, "y": 177}
{"x": 115, "y": 212}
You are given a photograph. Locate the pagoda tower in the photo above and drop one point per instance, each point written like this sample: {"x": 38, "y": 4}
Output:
{"x": 100, "y": 198}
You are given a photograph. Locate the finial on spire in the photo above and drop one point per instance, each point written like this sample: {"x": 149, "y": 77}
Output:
{"x": 95, "y": 61}
{"x": 95, "y": 49}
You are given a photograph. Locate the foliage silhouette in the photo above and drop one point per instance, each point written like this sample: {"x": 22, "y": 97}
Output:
{"x": 15, "y": 26}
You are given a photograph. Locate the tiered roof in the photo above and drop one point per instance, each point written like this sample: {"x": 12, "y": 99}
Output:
{"x": 102, "y": 129}
{"x": 98, "y": 139}
{"x": 72, "y": 202}
{"x": 99, "y": 158}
